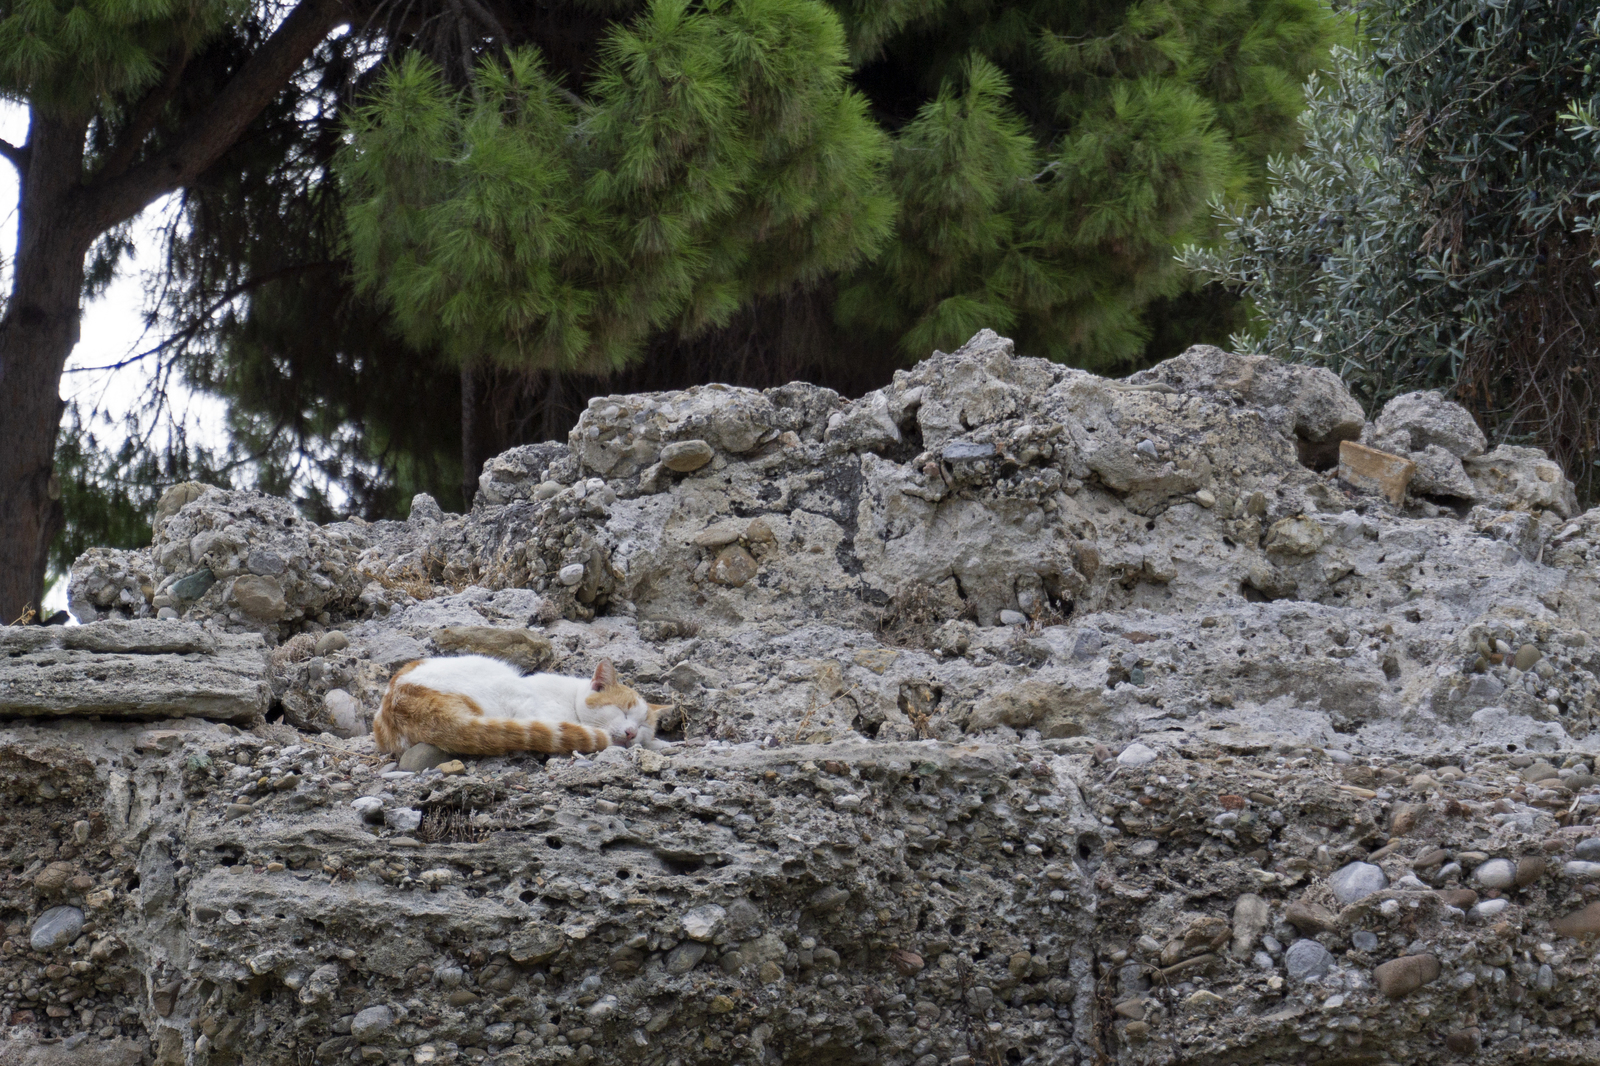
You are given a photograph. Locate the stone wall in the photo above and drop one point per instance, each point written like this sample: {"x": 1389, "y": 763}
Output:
{"x": 1021, "y": 716}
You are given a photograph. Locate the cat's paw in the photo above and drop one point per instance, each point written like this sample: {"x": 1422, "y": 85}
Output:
{"x": 660, "y": 745}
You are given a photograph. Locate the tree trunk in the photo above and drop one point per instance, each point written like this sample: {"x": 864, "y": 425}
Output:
{"x": 37, "y": 333}
{"x": 471, "y": 454}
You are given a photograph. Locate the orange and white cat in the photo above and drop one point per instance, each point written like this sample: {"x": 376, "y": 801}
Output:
{"x": 475, "y": 705}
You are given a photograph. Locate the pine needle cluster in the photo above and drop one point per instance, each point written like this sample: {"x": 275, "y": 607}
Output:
{"x": 720, "y": 156}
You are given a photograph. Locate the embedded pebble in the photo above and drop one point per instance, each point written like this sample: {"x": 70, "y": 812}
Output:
{"x": 1310, "y": 918}
{"x": 1402, "y": 976}
{"x": 686, "y": 456}
{"x": 570, "y": 574}
{"x": 1496, "y": 873}
{"x": 1588, "y": 849}
{"x": 332, "y": 641}
{"x": 1136, "y": 754}
{"x": 402, "y": 819}
{"x": 1364, "y": 940}
{"x": 1488, "y": 908}
{"x": 1585, "y": 922}
{"x": 371, "y": 1022}
{"x": 702, "y": 923}
{"x": 685, "y": 956}
{"x": 1306, "y": 959}
{"x": 1356, "y": 881}
{"x": 56, "y": 928}
{"x": 423, "y": 757}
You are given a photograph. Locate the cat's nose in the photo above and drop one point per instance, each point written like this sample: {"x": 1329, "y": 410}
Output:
{"x": 630, "y": 733}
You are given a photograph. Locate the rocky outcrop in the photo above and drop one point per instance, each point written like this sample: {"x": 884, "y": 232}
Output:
{"x": 1022, "y": 716}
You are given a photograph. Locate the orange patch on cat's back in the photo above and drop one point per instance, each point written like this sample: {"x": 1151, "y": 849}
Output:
{"x": 612, "y": 696}
{"x": 425, "y": 704}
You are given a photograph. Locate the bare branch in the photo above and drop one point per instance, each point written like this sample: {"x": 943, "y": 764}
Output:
{"x": 218, "y": 127}
{"x": 17, "y": 154}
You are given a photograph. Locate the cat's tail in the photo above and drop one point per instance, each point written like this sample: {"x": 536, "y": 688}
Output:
{"x": 414, "y": 714}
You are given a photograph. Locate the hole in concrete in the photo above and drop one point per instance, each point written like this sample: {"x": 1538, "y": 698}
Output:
{"x": 554, "y": 842}
{"x": 1319, "y": 456}
{"x": 681, "y": 865}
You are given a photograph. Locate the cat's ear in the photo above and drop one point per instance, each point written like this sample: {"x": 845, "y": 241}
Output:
{"x": 657, "y": 708}
{"x": 605, "y": 675}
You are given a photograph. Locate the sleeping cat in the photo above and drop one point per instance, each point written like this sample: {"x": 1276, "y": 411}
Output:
{"x": 475, "y": 705}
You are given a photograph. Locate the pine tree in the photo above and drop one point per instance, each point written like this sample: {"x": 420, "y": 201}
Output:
{"x": 719, "y": 157}
{"x": 127, "y": 101}
{"x": 1065, "y": 151}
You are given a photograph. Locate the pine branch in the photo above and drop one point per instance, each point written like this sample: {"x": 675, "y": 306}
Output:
{"x": 486, "y": 18}
{"x": 215, "y": 130}
{"x": 146, "y": 116}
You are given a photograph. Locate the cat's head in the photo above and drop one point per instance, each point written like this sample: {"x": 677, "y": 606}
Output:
{"x": 620, "y": 710}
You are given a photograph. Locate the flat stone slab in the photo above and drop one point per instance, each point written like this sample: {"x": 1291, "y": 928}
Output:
{"x": 1370, "y": 470}
{"x": 132, "y": 669}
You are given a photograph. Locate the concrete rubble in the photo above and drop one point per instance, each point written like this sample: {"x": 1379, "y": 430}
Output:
{"x": 1022, "y": 716}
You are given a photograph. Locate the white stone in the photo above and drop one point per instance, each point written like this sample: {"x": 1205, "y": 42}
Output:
{"x": 344, "y": 713}
{"x": 1136, "y": 754}
{"x": 1488, "y": 908}
{"x": 570, "y": 574}
{"x": 402, "y": 819}
{"x": 702, "y": 922}
{"x": 1496, "y": 873}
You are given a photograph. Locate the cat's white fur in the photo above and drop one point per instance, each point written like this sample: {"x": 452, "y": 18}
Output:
{"x": 504, "y": 692}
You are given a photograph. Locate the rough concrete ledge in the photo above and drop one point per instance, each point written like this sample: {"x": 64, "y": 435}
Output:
{"x": 132, "y": 669}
